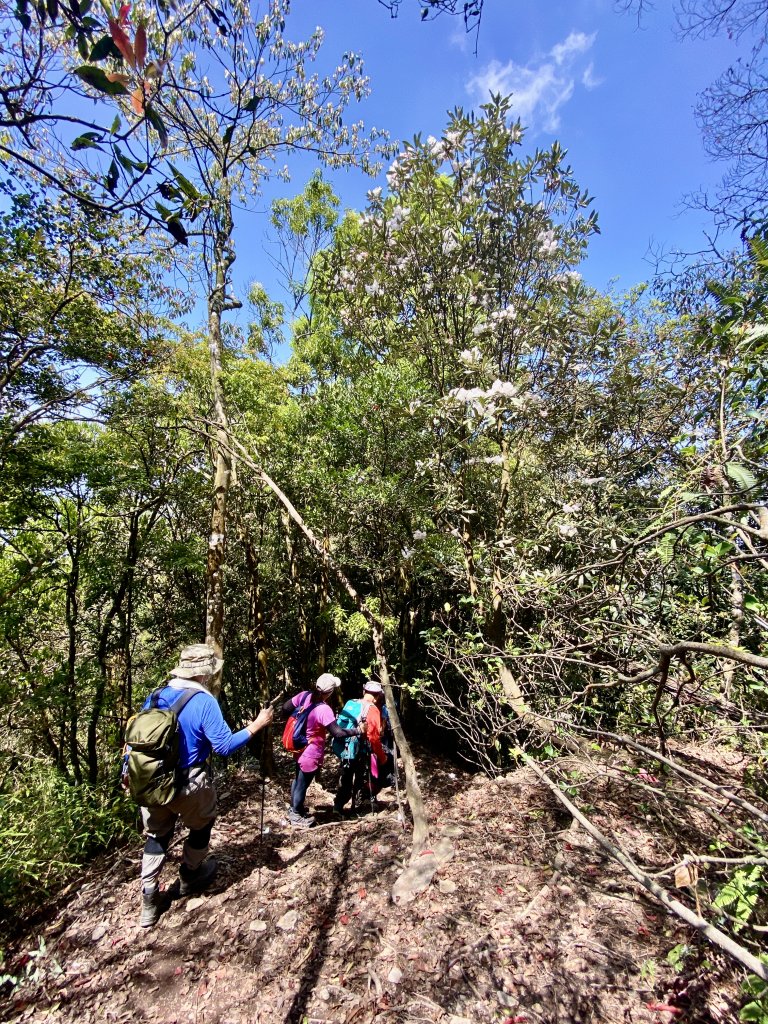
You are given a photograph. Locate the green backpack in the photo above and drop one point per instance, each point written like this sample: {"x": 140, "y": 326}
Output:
{"x": 151, "y": 757}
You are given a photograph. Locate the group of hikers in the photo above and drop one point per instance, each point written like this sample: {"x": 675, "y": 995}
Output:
{"x": 361, "y": 737}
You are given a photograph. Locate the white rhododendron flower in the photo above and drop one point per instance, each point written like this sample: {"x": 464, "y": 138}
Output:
{"x": 419, "y": 535}
{"x": 502, "y": 389}
{"x": 570, "y": 509}
{"x": 547, "y": 242}
{"x": 566, "y": 530}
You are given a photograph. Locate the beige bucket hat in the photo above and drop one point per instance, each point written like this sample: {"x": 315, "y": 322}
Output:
{"x": 196, "y": 662}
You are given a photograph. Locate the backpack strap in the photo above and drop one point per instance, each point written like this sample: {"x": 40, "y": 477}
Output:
{"x": 181, "y": 702}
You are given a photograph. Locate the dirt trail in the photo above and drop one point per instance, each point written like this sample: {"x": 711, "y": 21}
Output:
{"x": 527, "y": 922}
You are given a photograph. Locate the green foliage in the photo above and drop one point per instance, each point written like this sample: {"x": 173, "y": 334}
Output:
{"x": 49, "y": 828}
{"x": 740, "y": 894}
{"x": 755, "y": 991}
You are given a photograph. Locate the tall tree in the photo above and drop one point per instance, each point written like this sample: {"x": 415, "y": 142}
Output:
{"x": 245, "y": 98}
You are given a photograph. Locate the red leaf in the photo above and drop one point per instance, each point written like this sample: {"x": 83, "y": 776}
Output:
{"x": 140, "y": 46}
{"x": 179, "y": 970}
{"x": 499, "y": 890}
{"x": 642, "y": 930}
{"x": 663, "y": 1008}
{"x": 344, "y": 918}
{"x": 362, "y": 893}
{"x": 137, "y": 101}
{"x": 122, "y": 42}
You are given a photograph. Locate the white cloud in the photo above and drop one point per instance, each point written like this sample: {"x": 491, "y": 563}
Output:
{"x": 539, "y": 89}
{"x": 589, "y": 80}
{"x": 576, "y": 43}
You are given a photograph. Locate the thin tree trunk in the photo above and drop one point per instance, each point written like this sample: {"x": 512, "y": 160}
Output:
{"x": 258, "y": 655}
{"x": 71, "y": 616}
{"x": 222, "y": 259}
{"x": 712, "y": 934}
{"x": 131, "y": 558}
{"x": 497, "y": 627}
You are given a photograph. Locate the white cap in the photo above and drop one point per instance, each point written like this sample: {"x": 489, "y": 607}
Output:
{"x": 372, "y": 686}
{"x": 327, "y": 683}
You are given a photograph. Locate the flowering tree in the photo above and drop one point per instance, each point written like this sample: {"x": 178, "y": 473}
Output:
{"x": 467, "y": 268}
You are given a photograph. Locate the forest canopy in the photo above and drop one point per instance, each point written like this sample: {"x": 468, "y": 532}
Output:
{"x": 549, "y": 499}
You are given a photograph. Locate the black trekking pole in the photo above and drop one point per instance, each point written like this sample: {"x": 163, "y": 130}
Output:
{"x": 261, "y": 838}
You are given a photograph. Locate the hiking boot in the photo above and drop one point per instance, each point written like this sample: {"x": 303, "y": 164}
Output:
{"x": 300, "y": 820}
{"x": 195, "y": 881}
{"x": 150, "y": 909}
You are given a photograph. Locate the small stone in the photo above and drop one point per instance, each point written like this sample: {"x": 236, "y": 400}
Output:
{"x": 198, "y": 901}
{"x": 459, "y": 1020}
{"x": 258, "y": 926}
{"x": 395, "y": 976}
{"x": 99, "y": 932}
{"x": 288, "y": 921}
{"x": 446, "y": 885}
{"x": 324, "y": 995}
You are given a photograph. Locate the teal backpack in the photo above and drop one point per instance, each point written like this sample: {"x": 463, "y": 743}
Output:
{"x": 350, "y": 716}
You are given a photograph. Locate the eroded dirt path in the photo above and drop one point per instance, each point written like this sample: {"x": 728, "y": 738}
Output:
{"x": 527, "y": 922}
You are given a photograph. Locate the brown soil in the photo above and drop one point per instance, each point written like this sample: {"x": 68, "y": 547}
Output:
{"x": 527, "y": 922}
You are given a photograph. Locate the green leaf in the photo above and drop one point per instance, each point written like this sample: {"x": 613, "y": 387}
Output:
{"x": 185, "y": 184}
{"x": 666, "y": 548}
{"x": 177, "y": 229}
{"x": 157, "y": 123}
{"x": 112, "y": 178}
{"x": 97, "y": 79}
{"x": 105, "y": 48}
{"x": 740, "y": 476}
{"x": 88, "y": 140}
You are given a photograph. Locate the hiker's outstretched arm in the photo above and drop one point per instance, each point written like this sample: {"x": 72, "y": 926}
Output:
{"x": 340, "y": 734}
{"x": 288, "y": 708}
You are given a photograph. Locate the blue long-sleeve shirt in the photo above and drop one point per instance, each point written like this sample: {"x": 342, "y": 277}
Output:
{"x": 201, "y": 727}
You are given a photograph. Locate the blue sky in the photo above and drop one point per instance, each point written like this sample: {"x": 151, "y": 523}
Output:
{"x": 618, "y": 97}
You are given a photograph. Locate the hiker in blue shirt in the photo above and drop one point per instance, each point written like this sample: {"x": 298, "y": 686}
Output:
{"x": 202, "y": 729}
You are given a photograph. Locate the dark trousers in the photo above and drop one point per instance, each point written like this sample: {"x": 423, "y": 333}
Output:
{"x": 355, "y": 779}
{"x": 299, "y": 788}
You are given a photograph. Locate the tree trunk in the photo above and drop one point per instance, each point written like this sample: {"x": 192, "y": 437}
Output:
{"x": 71, "y": 616}
{"x": 222, "y": 259}
{"x": 118, "y": 596}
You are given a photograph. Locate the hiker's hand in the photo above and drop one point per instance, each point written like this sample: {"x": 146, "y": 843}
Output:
{"x": 263, "y": 718}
